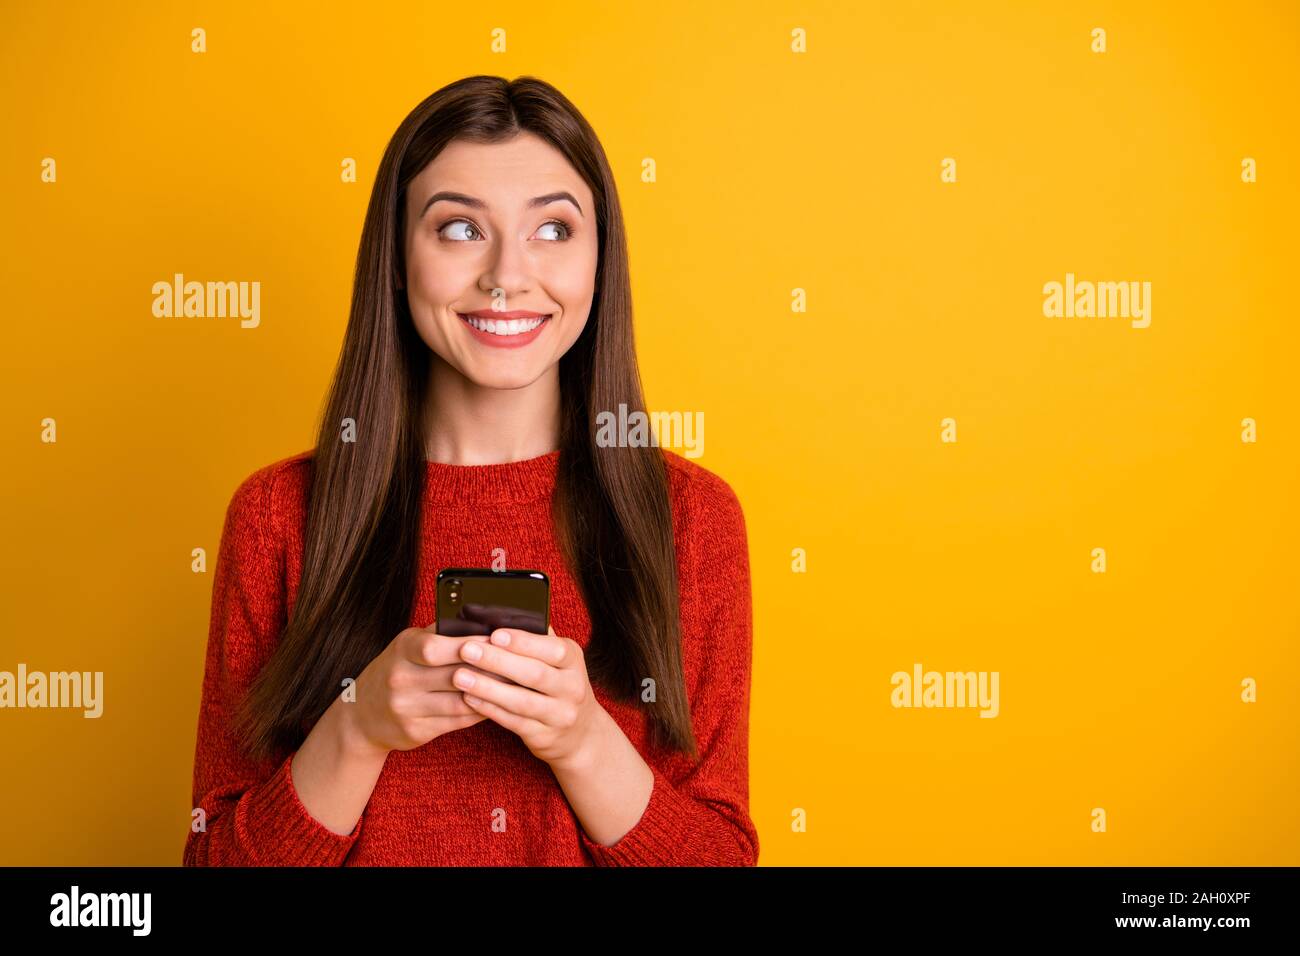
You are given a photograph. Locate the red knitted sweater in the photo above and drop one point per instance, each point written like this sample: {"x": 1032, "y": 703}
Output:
{"x": 435, "y": 805}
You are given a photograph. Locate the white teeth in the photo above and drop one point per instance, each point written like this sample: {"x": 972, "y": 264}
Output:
{"x": 504, "y": 327}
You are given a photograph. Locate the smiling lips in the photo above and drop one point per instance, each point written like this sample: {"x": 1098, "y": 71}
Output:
{"x": 505, "y": 329}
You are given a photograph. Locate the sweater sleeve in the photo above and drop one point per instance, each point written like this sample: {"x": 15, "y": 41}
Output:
{"x": 252, "y": 815}
{"x": 698, "y": 814}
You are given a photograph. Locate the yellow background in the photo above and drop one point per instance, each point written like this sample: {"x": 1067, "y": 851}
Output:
{"x": 776, "y": 171}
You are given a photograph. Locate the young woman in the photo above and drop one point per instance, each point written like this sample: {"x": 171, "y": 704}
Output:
{"x": 491, "y": 324}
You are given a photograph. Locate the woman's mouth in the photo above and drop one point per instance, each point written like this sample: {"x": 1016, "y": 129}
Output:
{"x": 505, "y": 332}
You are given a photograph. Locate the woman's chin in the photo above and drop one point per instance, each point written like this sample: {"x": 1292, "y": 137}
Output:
{"x": 502, "y": 378}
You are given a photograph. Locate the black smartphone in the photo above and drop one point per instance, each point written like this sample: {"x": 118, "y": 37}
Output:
{"x": 479, "y": 600}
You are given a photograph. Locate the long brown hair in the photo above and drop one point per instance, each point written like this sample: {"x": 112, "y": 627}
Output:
{"x": 611, "y": 504}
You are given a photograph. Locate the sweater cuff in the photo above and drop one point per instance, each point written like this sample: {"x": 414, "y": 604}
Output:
{"x": 280, "y": 830}
{"x": 655, "y": 839}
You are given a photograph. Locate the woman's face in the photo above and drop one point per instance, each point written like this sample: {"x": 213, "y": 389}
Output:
{"x": 500, "y": 234}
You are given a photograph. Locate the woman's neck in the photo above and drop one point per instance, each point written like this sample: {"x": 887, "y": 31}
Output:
{"x": 469, "y": 424}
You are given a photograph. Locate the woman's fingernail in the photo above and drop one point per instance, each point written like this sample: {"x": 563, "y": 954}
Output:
{"x": 501, "y": 637}
{"x": 472, "y": 651}
{"x": 464, "y": 678}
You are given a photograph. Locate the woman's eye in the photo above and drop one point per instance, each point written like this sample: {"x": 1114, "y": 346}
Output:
{"x": 462, "y": 230}
{"x": 456, "y": 229}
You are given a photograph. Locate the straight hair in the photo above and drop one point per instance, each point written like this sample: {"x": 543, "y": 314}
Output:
{"x": 611, "y": 509}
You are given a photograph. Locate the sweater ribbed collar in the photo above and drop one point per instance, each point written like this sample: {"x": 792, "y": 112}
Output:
{"x": 503, "y": 483}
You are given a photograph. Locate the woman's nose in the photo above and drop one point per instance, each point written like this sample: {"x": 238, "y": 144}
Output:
{"x": 507, "y": 268}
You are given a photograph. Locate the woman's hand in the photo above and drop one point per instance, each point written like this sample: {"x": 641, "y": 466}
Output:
{"x": 550, "y": 706}
{"x": 405, "y": 697}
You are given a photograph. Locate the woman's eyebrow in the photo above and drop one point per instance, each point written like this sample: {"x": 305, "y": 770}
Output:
{"x": 480, "y": 204}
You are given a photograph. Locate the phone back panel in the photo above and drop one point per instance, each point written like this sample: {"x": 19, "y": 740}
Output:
{"x": 479, "y": 600}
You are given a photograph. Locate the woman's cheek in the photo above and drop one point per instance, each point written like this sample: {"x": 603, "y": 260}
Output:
{"x": 431, "y": 294}
{"x": 573, "y": 289}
